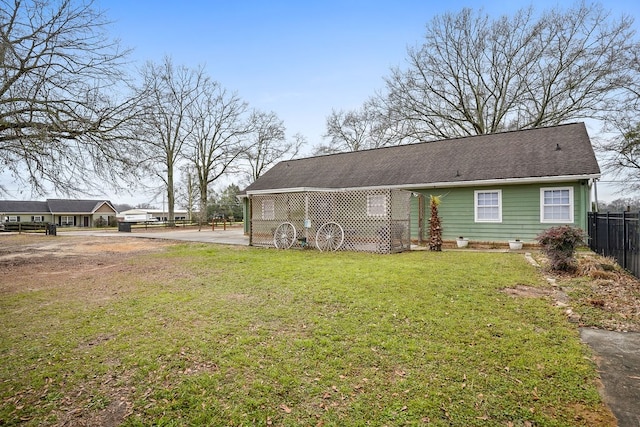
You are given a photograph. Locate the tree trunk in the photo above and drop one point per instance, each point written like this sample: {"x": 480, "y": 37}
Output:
{"x": 171, "y": 197}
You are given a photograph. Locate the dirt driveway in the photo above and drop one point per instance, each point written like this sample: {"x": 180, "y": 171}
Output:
{"x": 36, "y": 259}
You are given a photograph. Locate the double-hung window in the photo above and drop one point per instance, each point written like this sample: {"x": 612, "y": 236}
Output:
{"x": 488, "y": 205}
{"x": 556, "y": 204}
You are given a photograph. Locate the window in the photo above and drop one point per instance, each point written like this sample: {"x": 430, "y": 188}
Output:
{"x": 488, "y": 206}
{"x": 556, "y": 204}
{"x": 13, "y": 218}
{"x": 268, "y": 209}
{"x": 66, "y": 220}
{"x": 376, "y": 205}
{"x": 36, "y": 218}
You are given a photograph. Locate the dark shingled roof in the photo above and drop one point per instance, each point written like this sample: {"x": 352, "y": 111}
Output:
{"x": 557, "y": 151}
{"x": 56, "y": 206}
{"x": 75, "y": 206}
{"x": 19, "y": 206}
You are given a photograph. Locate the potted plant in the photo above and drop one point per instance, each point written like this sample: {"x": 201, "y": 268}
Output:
{"x": 515, "y": 245}
{"x": 462, "y": 242}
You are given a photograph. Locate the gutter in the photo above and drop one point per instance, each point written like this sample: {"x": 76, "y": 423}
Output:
{"x": 422, "y": 186}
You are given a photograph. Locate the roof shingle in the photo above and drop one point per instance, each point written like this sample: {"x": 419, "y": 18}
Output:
{"x": 74, "y": 206}
{"x": 55, "y": 206}
{"x": 563, "y": 150}
{"x": 20, "y": 206}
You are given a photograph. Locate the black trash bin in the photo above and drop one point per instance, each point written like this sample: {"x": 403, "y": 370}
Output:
{"x": 51, "y": 230}
{"x": 124, "y": 226}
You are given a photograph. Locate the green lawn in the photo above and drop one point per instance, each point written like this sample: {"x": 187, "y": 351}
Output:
{"x": 210, "y": 335}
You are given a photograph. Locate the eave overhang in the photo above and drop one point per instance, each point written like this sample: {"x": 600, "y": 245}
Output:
{"x": 446, "y": 184}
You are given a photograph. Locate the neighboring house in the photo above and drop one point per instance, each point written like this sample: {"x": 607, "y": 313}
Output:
{"x": 151, "y": 215}
{"x": 493, "y": 188}
{"x": 135, "y": 215}
{"x": 62, "y": 212}
{"x": 163, "y": 215}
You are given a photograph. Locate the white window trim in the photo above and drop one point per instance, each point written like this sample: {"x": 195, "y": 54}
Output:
{"x": 373, "y": 207}
{"x": 475, "y": 206}
{"x": 542, "y": 206}
{"x": 12, "y": 218}
{"x": 38, "y": 218}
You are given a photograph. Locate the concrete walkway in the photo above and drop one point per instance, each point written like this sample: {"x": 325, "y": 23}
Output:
{"x": 618, "y": 359}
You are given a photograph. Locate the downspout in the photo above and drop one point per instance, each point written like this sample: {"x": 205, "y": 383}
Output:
{"x": 420, "y": 219}
{"x": 595, "y": 193}
{"x": 249, "y": 219}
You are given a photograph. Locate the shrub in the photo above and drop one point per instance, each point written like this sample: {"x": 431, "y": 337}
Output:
{"x": 559, "y": 244}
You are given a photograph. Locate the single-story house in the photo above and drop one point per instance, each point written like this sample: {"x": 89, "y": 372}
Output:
{"x": 151, "y": 215}
{"x": 493, "y": 188}
{"x": 62, "y": 212}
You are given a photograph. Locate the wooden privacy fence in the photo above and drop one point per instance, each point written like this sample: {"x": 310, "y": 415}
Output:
{"x": 617, "y": 235}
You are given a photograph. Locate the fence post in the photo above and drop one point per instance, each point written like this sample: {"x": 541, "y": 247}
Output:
{"x": 624, "y": 239}
{"x": 608, "y": 229}
{"x": 592, "y": 230}
{"x": 596, "y": 220}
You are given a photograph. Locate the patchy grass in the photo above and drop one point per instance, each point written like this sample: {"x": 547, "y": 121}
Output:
{"x": 210, "y": 335}
{"x": 602, "y": 294}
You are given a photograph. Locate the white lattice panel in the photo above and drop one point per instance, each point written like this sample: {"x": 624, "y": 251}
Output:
{"x": 368, "y": 221}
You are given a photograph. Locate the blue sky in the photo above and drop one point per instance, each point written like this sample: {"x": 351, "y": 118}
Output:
{"x": 299, "y": 59}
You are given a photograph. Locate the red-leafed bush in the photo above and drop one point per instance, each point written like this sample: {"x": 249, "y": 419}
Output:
{"x": 559, "y": 244}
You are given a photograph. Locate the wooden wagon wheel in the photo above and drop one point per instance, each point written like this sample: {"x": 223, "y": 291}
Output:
{"x": 284, "y": 236}
{"x": 329, "y": 237}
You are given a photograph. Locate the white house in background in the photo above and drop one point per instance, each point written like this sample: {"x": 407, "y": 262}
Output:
{"x": 62, "y": 212}
{"x": 151, "y": 215}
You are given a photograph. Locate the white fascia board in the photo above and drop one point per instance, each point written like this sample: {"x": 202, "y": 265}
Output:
{"x": 478, "y": 183}
{"x": 498, "y": 182}
{"x": 291, "y": 190}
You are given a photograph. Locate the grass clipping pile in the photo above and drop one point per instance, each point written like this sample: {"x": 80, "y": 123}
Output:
{"x": 599, "y": 294}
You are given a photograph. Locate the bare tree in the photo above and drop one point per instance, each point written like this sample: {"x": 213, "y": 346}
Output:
{"x": 218, "y": 129}
{"x": 168, "y": 94}
{"x": 187, "y": 193}
{"x": 361, "y": 129}
{"x": 621, "y": 154}
{"x": 348, "y": 131}
{"x": 474, "y": 75}
{"x": 622, "y": 204}
{"x": 267, "y": 143}
{"x": 620, "y": 148}
{"x": 59, "y": 123}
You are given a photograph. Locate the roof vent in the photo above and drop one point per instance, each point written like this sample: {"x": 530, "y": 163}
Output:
{"x": 457, "y": 173}
{"x": 558, "y": 147}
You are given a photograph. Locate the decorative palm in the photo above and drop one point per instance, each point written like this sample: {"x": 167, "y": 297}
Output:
{"x": 435, "y": 228}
